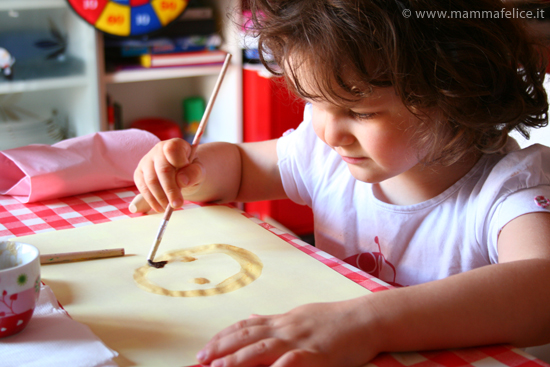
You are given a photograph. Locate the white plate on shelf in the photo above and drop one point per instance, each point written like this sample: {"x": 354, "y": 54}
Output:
{"x": 15, "y": 134}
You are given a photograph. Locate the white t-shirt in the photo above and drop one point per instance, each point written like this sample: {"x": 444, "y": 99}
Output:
{"x": 451, "y": 233}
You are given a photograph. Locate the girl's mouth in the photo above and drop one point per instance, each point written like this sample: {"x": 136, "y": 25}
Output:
{"x": 353, "y": 160}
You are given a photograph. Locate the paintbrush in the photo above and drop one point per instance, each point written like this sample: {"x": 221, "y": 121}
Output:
{"x": 194, "y": 145}
{"x": 80, "y": 256}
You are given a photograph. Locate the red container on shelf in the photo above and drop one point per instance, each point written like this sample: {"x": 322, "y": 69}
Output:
{"x": 163, "y": 128}
{"x": 269, "y": 110}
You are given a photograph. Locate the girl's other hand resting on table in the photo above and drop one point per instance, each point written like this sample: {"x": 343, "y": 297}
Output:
{"x": 318, "y": 334}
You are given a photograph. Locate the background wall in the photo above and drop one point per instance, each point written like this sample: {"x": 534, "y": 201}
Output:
{"x": 540, "y": 136}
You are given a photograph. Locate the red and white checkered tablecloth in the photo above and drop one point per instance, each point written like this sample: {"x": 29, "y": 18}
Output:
{"x": 18, "y": 219}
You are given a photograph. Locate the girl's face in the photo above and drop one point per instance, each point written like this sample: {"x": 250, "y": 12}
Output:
{"x": 374, "y": 136}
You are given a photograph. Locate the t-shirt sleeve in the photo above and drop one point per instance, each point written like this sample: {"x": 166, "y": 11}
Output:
{"x": 524, "y": 189}
{"x": 294, "y": 154}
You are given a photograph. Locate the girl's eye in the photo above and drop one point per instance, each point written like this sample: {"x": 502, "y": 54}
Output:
{"x": 362, "y": 116}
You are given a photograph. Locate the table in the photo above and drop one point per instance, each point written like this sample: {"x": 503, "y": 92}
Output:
{"x": 17, "y": 219}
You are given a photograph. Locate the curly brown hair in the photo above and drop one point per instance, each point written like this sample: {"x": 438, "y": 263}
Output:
{"x": 482, "y": 78}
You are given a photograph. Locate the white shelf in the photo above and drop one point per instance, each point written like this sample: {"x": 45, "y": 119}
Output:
{"x": 140, "y": 75}
{"x": 42, "y": 84}
{"x": 74, "y": 91}
{"x": 159, "y": 92}
{"x": 31, "y": 4}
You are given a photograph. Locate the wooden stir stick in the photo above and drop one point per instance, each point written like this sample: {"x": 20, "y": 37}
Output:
{"x": 194, "y": 145}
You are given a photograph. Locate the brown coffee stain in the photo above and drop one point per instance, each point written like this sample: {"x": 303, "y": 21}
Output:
{"x": 251, "y": 269}
{"x": 201, "y": 281}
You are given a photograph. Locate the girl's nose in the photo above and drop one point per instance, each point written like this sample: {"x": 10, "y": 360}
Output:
{"x": 337, "y": 132}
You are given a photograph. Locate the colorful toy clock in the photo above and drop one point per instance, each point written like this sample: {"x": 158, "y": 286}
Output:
{"x": 128, "y": 17}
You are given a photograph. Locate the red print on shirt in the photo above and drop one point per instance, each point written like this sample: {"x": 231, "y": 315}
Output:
{"x": 375, "y": 264}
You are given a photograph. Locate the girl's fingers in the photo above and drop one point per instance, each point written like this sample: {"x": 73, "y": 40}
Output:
{"x": 243, "y": 324}
{"x": 233, "y": 338}
{"x": 139, "y": 205}
{"x": 176, "y": 152}
{"x": 167, "y": 165}
{"x": 261, "y": 353}
{"x": 300, "y": 358}
{"x": 190, "y": 177}
{"x": 155, "y": 176}
{"x": 146, "y": 182}
{"x": 175, "y": 157}
{"x": 163, "y": 186}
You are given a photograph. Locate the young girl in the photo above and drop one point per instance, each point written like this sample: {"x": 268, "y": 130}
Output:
{"x": 403, "y": 151}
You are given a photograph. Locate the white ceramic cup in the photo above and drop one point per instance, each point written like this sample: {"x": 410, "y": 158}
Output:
{"x": 19, "y": 285}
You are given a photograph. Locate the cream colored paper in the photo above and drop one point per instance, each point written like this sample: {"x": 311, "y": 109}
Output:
{"x": 155, "y": 330}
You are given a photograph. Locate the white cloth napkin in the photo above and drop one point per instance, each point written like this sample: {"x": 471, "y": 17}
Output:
{"x": 54, "y": 339}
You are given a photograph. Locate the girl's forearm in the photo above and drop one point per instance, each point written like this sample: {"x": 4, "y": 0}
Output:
{"x": 239, "y": 172}
{"x": 504, "y": 303}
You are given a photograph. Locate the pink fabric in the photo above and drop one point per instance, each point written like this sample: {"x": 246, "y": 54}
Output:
{"x": 99, "y": 161}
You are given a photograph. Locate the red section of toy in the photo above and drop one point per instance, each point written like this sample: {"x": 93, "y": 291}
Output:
{"x": 89, "y": 10}
{"x": 138, "y": 2}
{"x": 128, "y": 17}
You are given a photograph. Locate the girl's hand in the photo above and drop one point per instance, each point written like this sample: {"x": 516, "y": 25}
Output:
{"x": 165, "y": 174}
{"x": 321, "y": 334}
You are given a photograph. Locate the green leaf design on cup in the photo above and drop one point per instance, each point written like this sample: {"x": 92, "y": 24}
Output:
{"x": 22, "y": 279}
{"x": 37, "y": 284}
